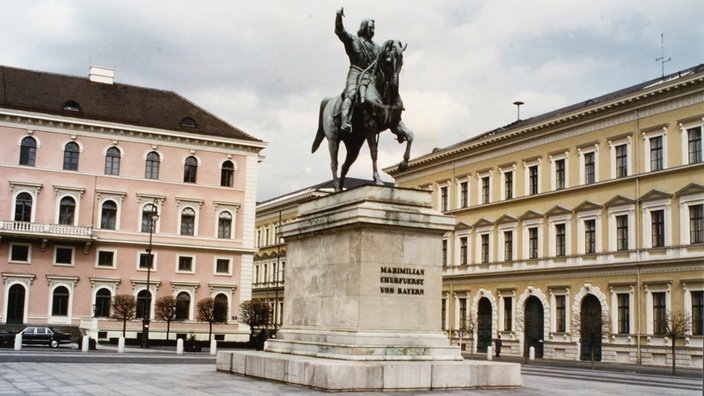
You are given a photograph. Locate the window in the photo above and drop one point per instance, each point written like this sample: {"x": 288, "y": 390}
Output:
{"x": 149, "y": 223}
{"x": 657, "y": 221}
{"x": 485, "y": 248}
{"x": 659, "y": 313}
{"x": 67, "y": 209}
{"x": 106, "y": 258}
{"x": 696, "y": 224}
{"x": 63, "y": 256}
{"x": 656, "y": 153}
{"x": 102, "y": 303}
{"x": 227, "y": 174}
{"x": 146, "y": 260}
{"x": 533, "y": 242}
{"x": 144, "y": 298}
{"x": 463, "y": 250}
{"x": 19, "y": 253}
{"x": 698, "y": 312}
{"x": 71, "y": 151}
{"x": 621, "y": 152}
{"x": 183, "y": 305}
{"x": 112, "y": 161}
{"x": 508, "y": 185}
{"x": 59, "y": 302}
{"x": 464, "y": 194}
{"x": 443, "y": 199}
{"x": 486, "y": 189}
{"x": 108, "y": 215}
{"x": 222, "y": 266}
{"x": 589, "y": 236}
{"x": 23, "y": 207}
{"x": 560, "y": 314}
{"x": 623, "y": 301}
{"x": 443, "y": 314}
{"x": 694, "y": 144}
{"x": 533, "y": 180}
{"x": 225, "y": 225}
{"x": 190, "y": 169}
{"x": 444, "y": 252}
{"x": 560, "y": 240}
{"x": 220, "y": 309}
{"x": 508, "y": 245}
{"x": 151, "y": 169}
{"x": 185, "y": 264}
{"x": 508, "y": 313}
{"x": 188, "y": 220}
{"x": 622, "y": 232}
{"x": 463, "y": 314}
{"x": 560, "y": 174}
{"x": 28, "y": 151}
{"x": 589, "y": 168}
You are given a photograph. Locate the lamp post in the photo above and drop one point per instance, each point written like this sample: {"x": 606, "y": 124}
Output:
{"x": 153, "y": 217}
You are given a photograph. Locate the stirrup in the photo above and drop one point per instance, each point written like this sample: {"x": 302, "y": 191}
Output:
{"x": 346, "y": 127}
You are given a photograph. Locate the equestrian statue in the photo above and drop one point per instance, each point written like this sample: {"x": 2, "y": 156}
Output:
{"x": 369, "y": 104}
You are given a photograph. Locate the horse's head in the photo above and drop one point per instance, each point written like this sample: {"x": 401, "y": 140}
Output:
{"x": 390, "y": 60}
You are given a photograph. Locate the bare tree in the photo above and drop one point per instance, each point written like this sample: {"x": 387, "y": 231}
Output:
{"x": 676, "y": 327}
{"x": 469, "y": 327}
{"x": 254, "y": 313}
{"x": 123, "y": 308}
{"x": 211, "y": 311}
{"x": 165, "y": 309}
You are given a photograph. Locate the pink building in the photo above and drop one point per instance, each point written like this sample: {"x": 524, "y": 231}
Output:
{"x": 87, "y": 168}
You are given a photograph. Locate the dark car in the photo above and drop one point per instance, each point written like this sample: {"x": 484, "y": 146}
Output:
{"x": 44, "y": 336}
{"x": 7, "y": 339}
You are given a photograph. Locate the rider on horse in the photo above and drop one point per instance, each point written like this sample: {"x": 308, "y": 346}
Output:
{"x": 362, "y": 52}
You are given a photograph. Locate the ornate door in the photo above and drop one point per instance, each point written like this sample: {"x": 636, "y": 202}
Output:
{"x": 590, "y": 328}
{"x": 533, "y": 320}
{"x": 483, "y": 324}
{"x": 15, "y": 305}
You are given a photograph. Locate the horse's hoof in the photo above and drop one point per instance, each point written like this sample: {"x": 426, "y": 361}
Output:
{"x": 402, "y": 166}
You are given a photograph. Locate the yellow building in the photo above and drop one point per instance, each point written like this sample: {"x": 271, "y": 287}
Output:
{"x": 580, "y": 230}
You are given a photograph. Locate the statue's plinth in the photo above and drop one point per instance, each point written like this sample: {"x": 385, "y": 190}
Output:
{"x": 362, "y": 300}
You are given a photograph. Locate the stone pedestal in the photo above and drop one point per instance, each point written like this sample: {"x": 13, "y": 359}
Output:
{"x": 363, "y": 296}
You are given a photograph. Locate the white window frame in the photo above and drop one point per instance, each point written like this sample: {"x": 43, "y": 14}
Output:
{"x": 527, "y": 224}
{"x": 582, "y": 217}
{"x": 526, "y": 170}
{"x": 185, "y": 203}
{"x": 468, "y": 235}
{"x": 614, "y": 291}
{"x": 553, "y": 293}
{"x": 501, "y": 229}
{"x": 32, "y": 189}
{"x": 553, "y": 170}
{"x": 190, "y": 289}
{"x": 662, "y": 132}
{"x": 613, "y": 144}
{"x": 29, "y": 253}
{"x": 688, "y": 287}
{"x": 501, "y": 294}
{"x": 613, "y": 213}
{"x": 582, "y": 151}
{"x": 230, "y": 265}
{"x": 684, "y": 132}
{"x": 56, "y": 281}
{"x": 649, "y": 290}
{"x": 114, "y": 258}
{"x": 232, "y": 207}
{"x": 480, "y": 196}
{"x": 193, "y": 264}
{"x": 502, "y": 188}
{"x": 479, "y": 232}
{"x": 685, "y": 202}
{"x": 155, "y": 261}
{"x": 552, "y": 235}
{"x": 648, "y": 208}
{"x": 118, "y": 198}
{"x": 459, "y": 181}
{"x": 445, "y": 185}
{"x": 103, "y": 283}
{"x": 73, "y": 256}
{"x": 145, "y": 200}
{"x": 62, "y": 192}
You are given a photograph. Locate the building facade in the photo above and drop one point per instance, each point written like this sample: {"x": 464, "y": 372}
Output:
{"x": 580, "y": 232}
{"x": 95, "y": 176}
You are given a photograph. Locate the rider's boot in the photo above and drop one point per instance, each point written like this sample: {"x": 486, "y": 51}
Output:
{"x": 346, "y": 115}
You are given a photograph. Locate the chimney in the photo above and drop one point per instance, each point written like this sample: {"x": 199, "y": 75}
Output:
{"x": 101, "y": 74}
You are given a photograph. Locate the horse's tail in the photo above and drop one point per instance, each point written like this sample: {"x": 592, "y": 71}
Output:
{"x": 320, "y": 135}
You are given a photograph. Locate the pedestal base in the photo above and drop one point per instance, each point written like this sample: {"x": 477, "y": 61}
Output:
{"x": 345, "y": 375}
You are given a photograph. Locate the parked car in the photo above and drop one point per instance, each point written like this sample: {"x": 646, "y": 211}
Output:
{"x": 44, "y": 336}
{"x": 7, "y": 339}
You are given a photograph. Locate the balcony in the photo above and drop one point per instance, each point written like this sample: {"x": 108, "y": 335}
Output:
{"x": 47, "y": 232}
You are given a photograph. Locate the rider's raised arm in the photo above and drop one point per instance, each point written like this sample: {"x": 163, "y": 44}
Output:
{"x": 340, "y": 28}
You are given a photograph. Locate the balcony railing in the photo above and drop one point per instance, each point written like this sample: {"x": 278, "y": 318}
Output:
{"x": 25, "y": 227}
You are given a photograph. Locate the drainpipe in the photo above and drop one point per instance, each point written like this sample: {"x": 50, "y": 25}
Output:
{"x": 638, "y": 236}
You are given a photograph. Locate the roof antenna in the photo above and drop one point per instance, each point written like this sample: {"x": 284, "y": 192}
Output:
{"x": 518, "y": 104}
{"x": 662, "y": 59}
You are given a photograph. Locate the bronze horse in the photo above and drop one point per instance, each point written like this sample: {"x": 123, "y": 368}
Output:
{"x": 378, "y": 107}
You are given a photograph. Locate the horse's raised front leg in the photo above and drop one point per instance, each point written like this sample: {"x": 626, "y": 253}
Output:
{"x": 404, "y": 134}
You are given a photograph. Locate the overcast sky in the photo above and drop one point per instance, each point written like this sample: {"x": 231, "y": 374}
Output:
{"x": 264, "y": 66}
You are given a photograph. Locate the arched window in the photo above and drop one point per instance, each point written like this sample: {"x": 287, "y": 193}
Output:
{"x": 28, "y": 151}
{"x": 67, "y": 210}
{"x": 220, "y": 308}
{"x": 190, "y": 169}
{"x": 108, "y": 215}
{"x": 183, "y": 305}
{"x": 149, "y": 218}
{"x": 102, "y": 303}
{"x": 71, "y": 156}
{"x": 188, "y": 221}
{"x": 227, "y": 174}
{"x": 59, "y": 302}
{"x": 151, "y": 169}
{"x": 225, "y": 225}
{"x": 112, "y": 161}
{"x": 23, "y": 207}
{"x": 143, "y": 302}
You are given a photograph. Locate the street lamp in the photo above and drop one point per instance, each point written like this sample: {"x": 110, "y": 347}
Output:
{"x": 153, "y": 217}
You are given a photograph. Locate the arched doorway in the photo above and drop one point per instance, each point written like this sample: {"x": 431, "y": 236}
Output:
{"x": 483, "y": 324}
{"x": 15, "y": 304}
{"x": 183, "y": 305}
{"x": 220, "y": 308}
{"x": 143, "y": 304}
{"x": 103, "y": 300}
{"x": 533, "y": 321}
{"x": 591, "y": 323}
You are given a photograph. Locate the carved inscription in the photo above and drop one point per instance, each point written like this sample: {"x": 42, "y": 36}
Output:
{"x": 402, "y": 280}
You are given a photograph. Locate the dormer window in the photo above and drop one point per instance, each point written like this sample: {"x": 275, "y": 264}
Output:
{"x": 187, "y": 122}
{"x": 72, "y": 105}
